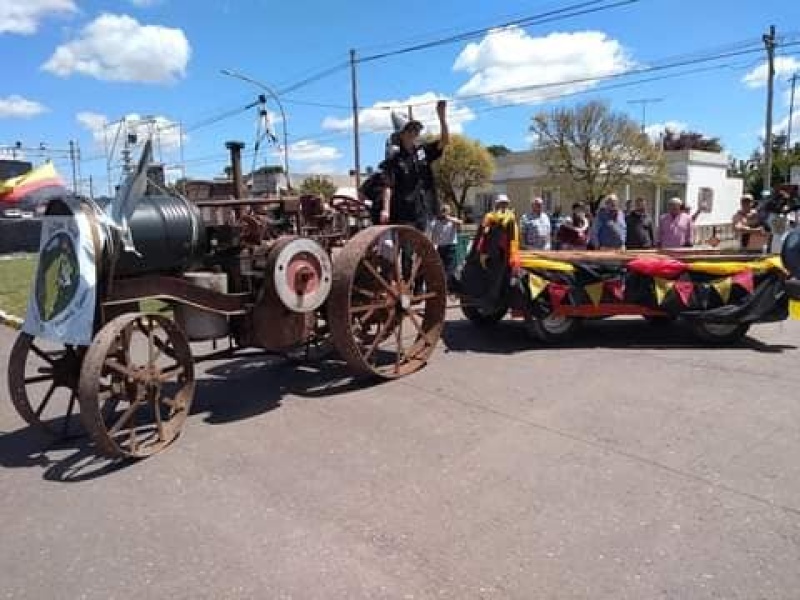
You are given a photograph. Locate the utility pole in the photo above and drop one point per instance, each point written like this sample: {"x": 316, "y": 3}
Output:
{"x": 644, "y": 102}
{"x": 356, "y": 143}
{"x": 183, "y": 164}
{"x": 72, "y": 161}
{"x": 769, "y": 44}
{"x": 108, "y": 158}
{"x": 791, "y": 114}
{"x": 410, "y": 112}
{"x": 91, "y": 187}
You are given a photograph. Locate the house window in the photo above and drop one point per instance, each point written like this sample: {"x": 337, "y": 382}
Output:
{"x": 483, "y": 203}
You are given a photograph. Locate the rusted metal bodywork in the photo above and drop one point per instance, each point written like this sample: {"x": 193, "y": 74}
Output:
{"x": 298, "y": 275}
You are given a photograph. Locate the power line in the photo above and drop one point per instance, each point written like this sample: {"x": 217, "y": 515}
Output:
{"x": 574, "y": 10}
{"x": 614, "y": 86}
{"x": 314, "y": 78}
{"x": 314, "y": 137}
{"x": 427, "y": 35}
{"x": 627, "y": 73}
{"x": 217, "y": 118}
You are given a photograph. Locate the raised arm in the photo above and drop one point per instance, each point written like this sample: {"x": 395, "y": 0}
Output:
{"x": 441, "y": 112}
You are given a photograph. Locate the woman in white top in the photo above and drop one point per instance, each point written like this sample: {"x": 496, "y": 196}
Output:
{"x": 573, "y": 234}
{"x": 443, "y": 231}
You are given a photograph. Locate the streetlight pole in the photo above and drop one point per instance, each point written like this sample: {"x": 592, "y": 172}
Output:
{"x": 274, "y": 96}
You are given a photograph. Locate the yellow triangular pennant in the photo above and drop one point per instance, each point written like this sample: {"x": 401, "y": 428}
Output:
{"x": 595, "y": 292}
{"x": 536, "y": 285}
{"x": 723, "y": 287}
{"x": 663, "y": 286}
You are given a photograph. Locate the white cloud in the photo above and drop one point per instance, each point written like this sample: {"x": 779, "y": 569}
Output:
{"x": 310, "y": 151}
{"x": 378, "y": 119}
{"x": 510, "y": 59}
{"x": 24, "y": 16}
{"x": 656, "y": 129}
{"x": 119, "y": 48}
{"x": 165, "y": 132}
{"x": 320, "y": 169}
{"x": 17, "y": 107}
{"x": 784, "y": 67}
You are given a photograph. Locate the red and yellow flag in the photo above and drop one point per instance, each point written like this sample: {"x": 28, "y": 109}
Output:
{"x": 29, "y": 188}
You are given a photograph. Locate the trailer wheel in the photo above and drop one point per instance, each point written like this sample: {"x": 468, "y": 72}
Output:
{"x": 720, "y": 333}
{"x": 553, "y": 329}
{"x": 43, "y": 385}
{"x": 136, "y": 385}
{"x": 387, "y": 305}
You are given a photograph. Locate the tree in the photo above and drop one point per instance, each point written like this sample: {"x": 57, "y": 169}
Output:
{"x": 690, "y": 140}
{"x": 752, "y": 170}
{"x": 466, "y": 164}
{"x": 498, "y": 150}
{"x": 591, "y": 151}
{"x": 318, "y": 185}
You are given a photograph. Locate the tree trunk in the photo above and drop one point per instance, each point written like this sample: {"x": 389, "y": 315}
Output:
{"x": 460, "y": 202}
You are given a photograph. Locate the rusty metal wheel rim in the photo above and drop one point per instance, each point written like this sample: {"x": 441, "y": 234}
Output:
{"x": 382, "y": 295}
{"x": 134, "y": 407}
{"x": 43, "y": 386}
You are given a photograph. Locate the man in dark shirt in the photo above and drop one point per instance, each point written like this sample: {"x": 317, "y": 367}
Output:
{"x": 410, "y": 198}
{"x": 639, "y": 227}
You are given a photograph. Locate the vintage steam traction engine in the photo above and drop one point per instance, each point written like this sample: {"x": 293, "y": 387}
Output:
{"x": 282, "y": 275}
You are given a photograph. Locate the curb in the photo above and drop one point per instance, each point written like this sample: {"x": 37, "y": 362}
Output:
{"x": 10, "y": 320}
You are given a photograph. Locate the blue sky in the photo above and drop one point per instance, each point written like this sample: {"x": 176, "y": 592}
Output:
{"x": 77, "y": 64}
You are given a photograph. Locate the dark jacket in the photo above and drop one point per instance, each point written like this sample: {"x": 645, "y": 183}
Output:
{"x": 414, "y": 199}
{"x": 639, "y": 230}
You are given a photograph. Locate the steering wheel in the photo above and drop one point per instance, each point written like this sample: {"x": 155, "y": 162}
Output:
{"x": 348, "y": 205}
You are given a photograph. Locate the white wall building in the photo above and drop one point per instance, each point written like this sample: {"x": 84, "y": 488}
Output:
{"x": 690, "y": 174}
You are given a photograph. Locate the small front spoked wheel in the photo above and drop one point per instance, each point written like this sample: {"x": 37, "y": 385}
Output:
{"x": 137, "y": 385}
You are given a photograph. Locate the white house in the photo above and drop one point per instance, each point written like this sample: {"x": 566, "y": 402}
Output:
{"x": 691, "y": 175}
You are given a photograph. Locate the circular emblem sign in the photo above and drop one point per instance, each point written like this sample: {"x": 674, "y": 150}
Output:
{"x": 57, "y": 277}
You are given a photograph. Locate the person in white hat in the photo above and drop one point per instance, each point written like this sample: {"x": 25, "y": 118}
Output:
{"x": 501, "y": 203}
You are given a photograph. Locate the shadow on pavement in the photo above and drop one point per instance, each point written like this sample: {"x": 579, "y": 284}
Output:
{"x": 249, "y": 386}
{"x": 508, "y": 337}
{"x": 71, "y": 460}
{"x": 229, "y": 391}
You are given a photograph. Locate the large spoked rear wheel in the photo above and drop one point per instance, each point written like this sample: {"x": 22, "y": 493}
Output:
{"x": 387, "y": 306}
{"x": 136, "y": 385}
{"x": 43, "y": 385}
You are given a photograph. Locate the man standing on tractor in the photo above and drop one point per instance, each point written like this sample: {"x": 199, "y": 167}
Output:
{"x": 410, "y": 196}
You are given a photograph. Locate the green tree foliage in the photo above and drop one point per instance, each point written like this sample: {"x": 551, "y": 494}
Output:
{"x": 466, "y": 164}
{"x": 752, "y": 170}
{"x": 590, "y": 151}
{"x": 318, "y": 185}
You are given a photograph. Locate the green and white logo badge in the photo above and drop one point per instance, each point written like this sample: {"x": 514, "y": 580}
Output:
{"x": 58, "y": 276}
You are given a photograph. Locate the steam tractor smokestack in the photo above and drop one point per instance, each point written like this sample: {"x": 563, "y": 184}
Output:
{"x": 236, "y": 166}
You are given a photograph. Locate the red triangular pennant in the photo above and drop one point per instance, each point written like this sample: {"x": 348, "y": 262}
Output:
{"x": 745, "y": 279}
{"x": 558, "y": 292}
{"x": 684, "y": 290}
{"x": 616, "y": 289}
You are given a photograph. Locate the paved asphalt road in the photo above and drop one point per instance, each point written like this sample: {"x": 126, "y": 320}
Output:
{"x": 630, "y": 465}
